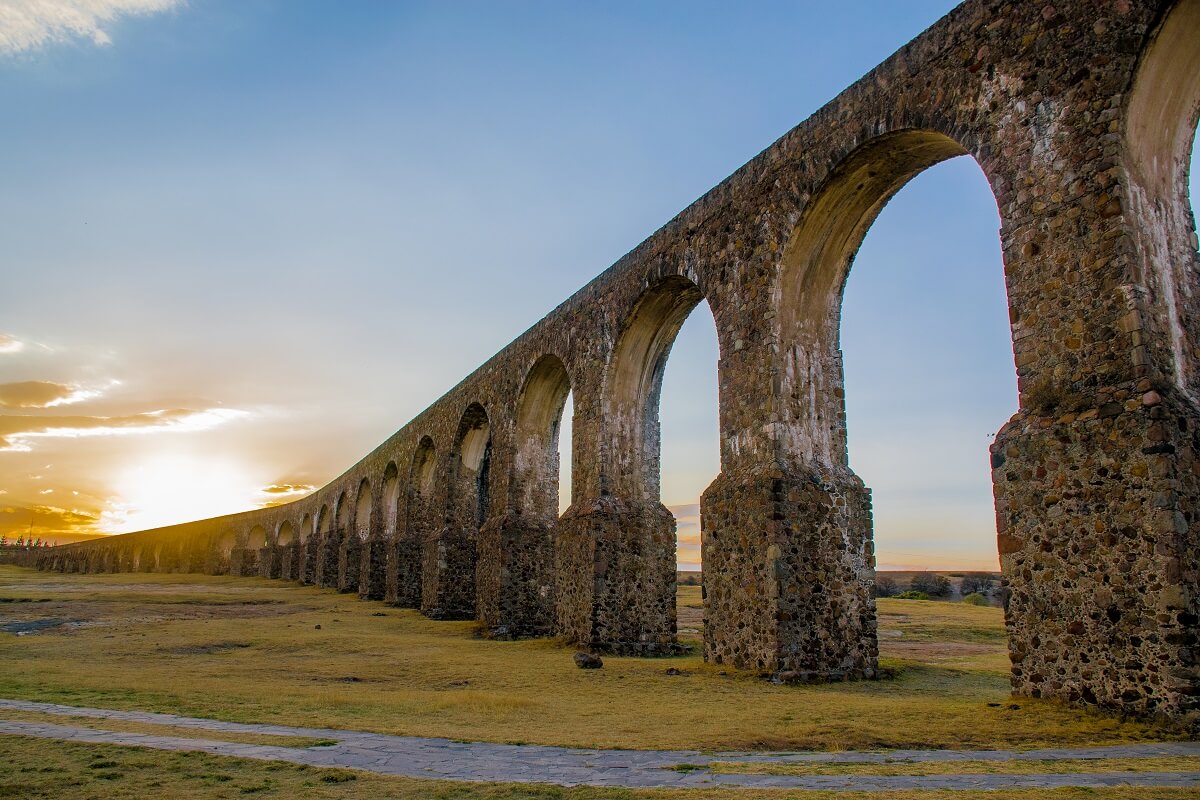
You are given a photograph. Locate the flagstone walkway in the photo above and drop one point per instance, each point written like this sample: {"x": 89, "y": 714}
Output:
{"x": 421, "y": 757}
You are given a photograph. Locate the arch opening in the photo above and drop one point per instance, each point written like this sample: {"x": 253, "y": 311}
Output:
{"x": 689, "y": 421}
{"x": 540, "y": 418}
{"x": 286, "y": 534}
{"x": 257, "y": 538}
{"x": 391, "y": 499}
{"x": 420, "y": 524}
{"x": 922, "y": 446}
{"x": 1161, "y": 120}
{"x": 306, "y": 524}
{"x": 633, "y": 388}
{"x": 362, "y": 511}
{"x": 470, "y": 487}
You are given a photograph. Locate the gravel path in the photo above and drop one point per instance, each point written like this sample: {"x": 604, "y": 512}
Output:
{"x": 421, "y": 757}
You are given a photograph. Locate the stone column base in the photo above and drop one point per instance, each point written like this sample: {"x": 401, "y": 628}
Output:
{"x": 268, "y": 562}
{"x": 515, "y": 577}
{"x": 615, "y": 577}
{"x": 448, "y": 570}
{"x": 788, "y": 570}
{"x": 350, "y": 563}
{"x": 309, "y": 555}
{"x": 1099, "y": 539}
{"x": 372, "y": 584}
{"x": 327, "y": 560}
{"x": 404, "y": 573}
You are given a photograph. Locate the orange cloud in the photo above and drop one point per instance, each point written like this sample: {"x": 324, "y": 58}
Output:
{"x": 18, "y": 431}
{"x": 48, "y": 522}
{"x": 280, "y": 493}
{"x": 10, "y": 344}
{"x": 42, "y": 394}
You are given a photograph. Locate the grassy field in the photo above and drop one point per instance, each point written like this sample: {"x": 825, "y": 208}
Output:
{"x": 250, "y": 650}
{"x": 37, "y": 769}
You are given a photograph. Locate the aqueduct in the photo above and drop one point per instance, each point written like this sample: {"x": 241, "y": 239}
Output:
{"x": 1081, "y": 115}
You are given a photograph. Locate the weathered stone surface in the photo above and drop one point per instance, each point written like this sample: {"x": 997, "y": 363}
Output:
{"x": 1080, "y": 114}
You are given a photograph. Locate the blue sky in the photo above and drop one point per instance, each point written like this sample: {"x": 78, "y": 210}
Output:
{"x": 294, "y": 225}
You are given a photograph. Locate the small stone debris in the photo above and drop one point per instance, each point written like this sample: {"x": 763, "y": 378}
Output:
{"x": 317, "y": 626}
{"x": 588, "y": 661}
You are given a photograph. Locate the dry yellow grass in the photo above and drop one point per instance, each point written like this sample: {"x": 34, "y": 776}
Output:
{"x": 38, "y": 769}
{"x": 252, "y": 650}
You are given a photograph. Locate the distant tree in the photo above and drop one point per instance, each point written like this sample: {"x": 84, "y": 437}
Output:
{"x": 885, "y": 586}
{"x": 21, "y": 541}
{"x": 3, "y": 540}
{"x": 931, "y": 583}
{"x": 977, "y": 583}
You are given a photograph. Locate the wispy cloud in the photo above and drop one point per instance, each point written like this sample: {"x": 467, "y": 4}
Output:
{"x": 44, "y": 394}
{"x": 33, "y": 24}
{"x": 17, "y": 432}
{"x": 279, "y": 493}
{"x": 10, "y": 344}
{"x": 45, "y": 521}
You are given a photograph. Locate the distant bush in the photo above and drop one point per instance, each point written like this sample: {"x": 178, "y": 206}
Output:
{"x": 931, "y": 584}
{"x": 911, "y": 595}
{"x": 976, "y": 599}
{"x": 977, "y": 583}
{"x": 885, "y": 586}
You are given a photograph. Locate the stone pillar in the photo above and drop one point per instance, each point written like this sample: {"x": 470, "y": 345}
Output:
{"x": 788, "y": 569}
{"x": 327, "y": 559}
{"x": 615, "y": 577}
{"x": 309, "y": 555}
{"x": 448, "y": 570}
{"x": 349, "y": 571}
{"x": 1096, "y": 512}
{"x": 372, "y": 583}
{"x": 268, "y": 562}
{"x": 515, "y": 576}
{"x": 404, "y": 571}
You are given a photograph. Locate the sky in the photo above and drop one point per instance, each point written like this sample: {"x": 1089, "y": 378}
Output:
{"x": 244, "y": 241}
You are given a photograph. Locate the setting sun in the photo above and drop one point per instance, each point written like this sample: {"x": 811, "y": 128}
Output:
{"x": 167, "y": 488}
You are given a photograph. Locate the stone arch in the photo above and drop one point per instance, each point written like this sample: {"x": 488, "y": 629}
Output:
{"x": 633, "y": 383}
{"x": 450, "y": 559}
{"x": 515, "y": 573}
{"x": 390, "y": 499}
{"x": 253, "y": 552}
{"x": 283, "y": 554}
{"x": 256, "y": 539}
{"x": 223, "y": 548}
{"x": 419, "y": 526}
{"x": 363, "y": 511}
{"x": 344, "y": 579}
{"x": 815, "y": 265}
{"x": 616, "y": 560}
{"x": 539, "y": 420}
{"x": 331, "y": 542}
{"x": 306, "y": 549}
{"x": 326, "y": 543}
{"x": 379, "y": 572}
{"x": 1160, "y": 122}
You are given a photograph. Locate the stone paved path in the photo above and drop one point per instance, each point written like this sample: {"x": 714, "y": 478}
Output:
{"x": 420, "y": 757}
